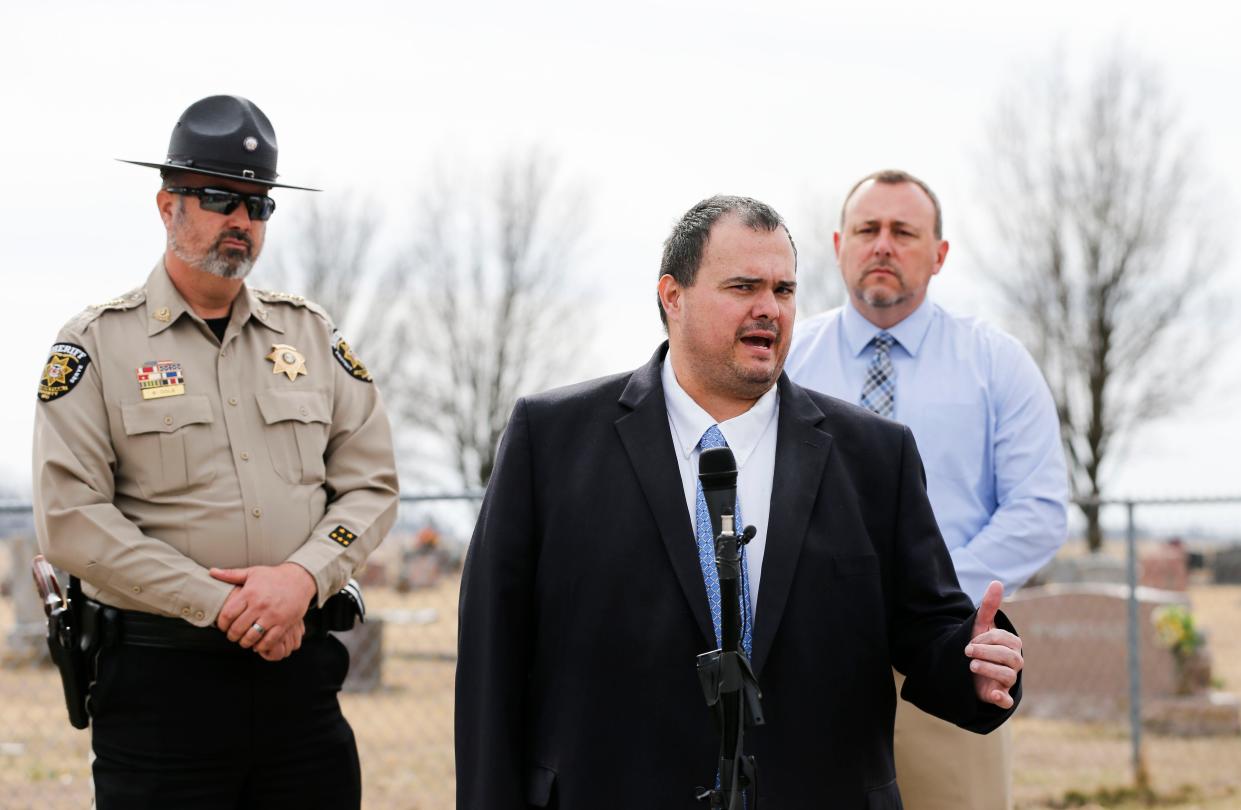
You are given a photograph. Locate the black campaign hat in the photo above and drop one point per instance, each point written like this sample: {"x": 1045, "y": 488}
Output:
{"x": 224, "y": 136}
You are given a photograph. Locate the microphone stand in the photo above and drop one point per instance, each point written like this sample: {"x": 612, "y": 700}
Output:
{"x": 728, "y": 681}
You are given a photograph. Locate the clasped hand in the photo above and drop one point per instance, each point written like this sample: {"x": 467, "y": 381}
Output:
{"x": 275, "y": 598}
{"x": 995, "y": 654}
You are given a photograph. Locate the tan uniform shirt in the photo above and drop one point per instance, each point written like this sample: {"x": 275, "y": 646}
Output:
{"x": 160, "y": 451}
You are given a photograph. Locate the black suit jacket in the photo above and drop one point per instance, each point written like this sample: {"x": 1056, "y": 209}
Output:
{"x": 583, "y": 609}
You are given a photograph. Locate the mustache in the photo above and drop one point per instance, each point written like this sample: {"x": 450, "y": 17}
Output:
{"x": 238, "y": 236}
{"x": 881, "y": 264}
{"x": 759, "y": 326}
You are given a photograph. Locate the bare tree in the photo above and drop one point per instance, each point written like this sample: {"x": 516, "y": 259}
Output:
{"x": 331, "y": 254}
{"x": 491, "y": 302}
{"x": 329, "y": 251}
{"x": 1093, "y": 190}
{"x": 819, "y": 286}
{"x": 478, "y": 308}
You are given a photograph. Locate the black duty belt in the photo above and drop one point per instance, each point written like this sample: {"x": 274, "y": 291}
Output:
{"x": 140, "y": 629}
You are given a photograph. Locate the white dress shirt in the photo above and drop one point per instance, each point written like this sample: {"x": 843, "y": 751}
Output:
{"x": 752, "y": 438}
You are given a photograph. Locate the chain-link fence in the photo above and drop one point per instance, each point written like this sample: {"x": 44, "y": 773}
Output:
{"x": 1075, "y": 741}
{"x": 398, "y": 697}
{"x": 1133, "y": 665}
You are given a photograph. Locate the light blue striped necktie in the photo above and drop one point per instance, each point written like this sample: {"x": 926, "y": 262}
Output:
{"x": 706, "y": 553}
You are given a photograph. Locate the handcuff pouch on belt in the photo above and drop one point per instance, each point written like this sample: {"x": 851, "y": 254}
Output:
{"x": 344, "y": 608}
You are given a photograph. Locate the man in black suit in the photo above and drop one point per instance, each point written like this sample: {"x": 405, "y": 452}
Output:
{"x": 584, "y": 606}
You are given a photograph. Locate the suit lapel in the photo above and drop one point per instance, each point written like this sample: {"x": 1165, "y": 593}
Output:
{"x": 801, "y": 454}
{"x": 645, "y": 435}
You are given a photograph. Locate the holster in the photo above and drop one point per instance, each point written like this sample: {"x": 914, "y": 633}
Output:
{"x": 75, "y": 634}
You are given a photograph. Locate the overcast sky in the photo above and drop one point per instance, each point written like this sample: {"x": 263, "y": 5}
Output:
{"x": 652, "y": 106}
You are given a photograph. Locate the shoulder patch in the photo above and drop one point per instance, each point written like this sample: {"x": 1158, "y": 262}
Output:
{"x": 345, "y": 356}
{"x": 65, "y": 368}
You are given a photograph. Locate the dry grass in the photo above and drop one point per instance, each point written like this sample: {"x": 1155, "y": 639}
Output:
{"x": 405, "y": 729}
{"x": 1066, "y": 764}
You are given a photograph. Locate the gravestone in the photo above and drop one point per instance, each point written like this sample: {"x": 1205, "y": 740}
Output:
{"x": 1075, "y": 644}
{"x": 1091, "y": 568}
{"x": 1075, "y": 641}
{"x": 1226, "y": 567}
{"x": 1165, "y": 566}
{"x": 421, "y": 570}
{"x": 365, "y": 645}
{"x": 1208, "y": 714}
{"x": 26, "y": 640}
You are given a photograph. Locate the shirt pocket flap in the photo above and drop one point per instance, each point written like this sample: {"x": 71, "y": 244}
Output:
{"x": 300, "y": 406}
{"x": 166, "y": 415}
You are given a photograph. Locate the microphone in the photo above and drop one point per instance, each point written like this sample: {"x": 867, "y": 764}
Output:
{"x": 728, "y": 681}
{"x": 717, "y": 472}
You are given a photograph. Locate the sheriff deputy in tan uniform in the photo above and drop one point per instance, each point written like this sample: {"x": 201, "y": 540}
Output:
{"x": 213, "y": 462}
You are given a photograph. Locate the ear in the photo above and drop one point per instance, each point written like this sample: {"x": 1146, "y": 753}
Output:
{"x": 941, "y": 253}
{"x": 165, "y": 202}
{"x": 671, "y": 297}
{"x": 836, "y": 244}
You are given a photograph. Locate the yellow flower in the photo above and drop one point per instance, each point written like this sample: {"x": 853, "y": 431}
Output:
{"x": 1174, "y": 625}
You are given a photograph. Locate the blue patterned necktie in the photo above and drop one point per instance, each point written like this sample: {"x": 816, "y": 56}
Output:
{"x": 706, "y": 553}
{"x": 879, "y": 390}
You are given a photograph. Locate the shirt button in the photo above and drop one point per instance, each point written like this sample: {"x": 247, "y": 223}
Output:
{"x": 257, "y": 512}
{"x": 137, "y": 589}
{"x": 303, "y": 411}
{"x": 224, "y": 352}
{"x": 245, "y": 456}
{"x": 185, "y": 611}
{"x": 200, "y": 615}
{"x": 167, "y": 420}
{"x": 232, "y": 400}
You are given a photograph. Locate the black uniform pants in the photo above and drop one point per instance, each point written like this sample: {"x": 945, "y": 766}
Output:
{"x": 190, "y": 729}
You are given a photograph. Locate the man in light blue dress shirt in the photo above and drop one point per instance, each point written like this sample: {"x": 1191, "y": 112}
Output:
{"x": 986, "y": 427}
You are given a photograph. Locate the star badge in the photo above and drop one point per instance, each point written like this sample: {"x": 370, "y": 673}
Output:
{"x": 287, "y": 360}
{"x": 57, "y": 370}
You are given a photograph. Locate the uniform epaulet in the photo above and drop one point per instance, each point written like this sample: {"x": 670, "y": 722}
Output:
{"x": 270, "y": 297}
{"x": 129, "y": 300}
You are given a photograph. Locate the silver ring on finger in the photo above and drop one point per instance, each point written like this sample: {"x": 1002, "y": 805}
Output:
{"x": 258, "y": 628}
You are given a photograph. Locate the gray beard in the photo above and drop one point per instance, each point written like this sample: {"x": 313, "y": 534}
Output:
{"x": 214, "y": 262}
{"x": 218, "y": 265}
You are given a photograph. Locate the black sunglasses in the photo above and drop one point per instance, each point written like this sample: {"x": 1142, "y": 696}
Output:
{"x": 222, "y": 201}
